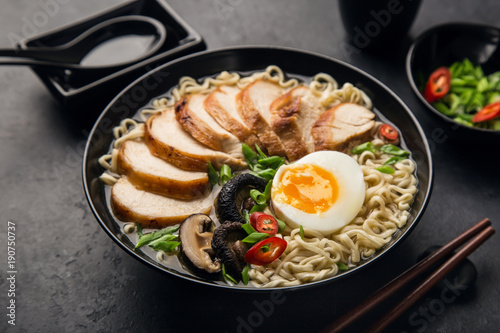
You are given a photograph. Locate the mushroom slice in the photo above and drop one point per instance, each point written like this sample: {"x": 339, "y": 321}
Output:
{"x": 231, "y": 198}
{"x": 196, "y": 234}
{"x": 229, "y": 248}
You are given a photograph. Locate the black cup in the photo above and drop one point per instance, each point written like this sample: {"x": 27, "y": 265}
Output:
{"x": 371, "y": 24}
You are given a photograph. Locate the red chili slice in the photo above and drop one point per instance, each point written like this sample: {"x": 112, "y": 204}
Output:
{"x": 438, "y": 84}
{"x": 388, "y": 132}
{"x": 264, "y": 223}
{"x": 489, "y": 112}
{"x": 265, "y": 251}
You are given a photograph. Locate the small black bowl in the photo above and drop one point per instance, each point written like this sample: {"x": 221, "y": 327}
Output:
{"x": 443, "y": 45}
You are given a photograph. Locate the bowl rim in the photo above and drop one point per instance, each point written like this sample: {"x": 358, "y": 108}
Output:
{"x": 409, "y": 61}
{"x": 385, "y": 250}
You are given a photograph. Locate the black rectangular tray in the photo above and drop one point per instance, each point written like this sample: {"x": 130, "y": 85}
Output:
{"x": 84, "y": 101}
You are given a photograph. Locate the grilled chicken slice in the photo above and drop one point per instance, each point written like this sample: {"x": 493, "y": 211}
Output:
{"x": 343, "y": 127}
{"x": 167, "y": 140}
{"x": 155, "y": 175}
{"x": 253, "y": 104}
{"x": 131, "y": 204}
{"x": 191, "y": 114}
{"x": 292, "y": 118}
{"x": 221, "y": 105}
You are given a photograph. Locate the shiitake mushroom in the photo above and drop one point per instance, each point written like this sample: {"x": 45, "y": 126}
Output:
{"x": 234, "y": 196}
{"x": 196, "y": 233}
{"x": 229, "y": 248}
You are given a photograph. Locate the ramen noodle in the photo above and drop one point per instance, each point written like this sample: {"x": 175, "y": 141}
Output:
{"x": 312, "y": 256}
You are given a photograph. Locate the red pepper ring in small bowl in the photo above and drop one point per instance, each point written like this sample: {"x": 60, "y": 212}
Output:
{"x": 438, "y": 84}
{"x": 489, "y": 112}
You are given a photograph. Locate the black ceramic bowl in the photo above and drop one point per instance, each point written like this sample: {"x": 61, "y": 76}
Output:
{"x": 377, "y": 24}
{"x": 443, "y": 45}
{"x": 294, "y": 63}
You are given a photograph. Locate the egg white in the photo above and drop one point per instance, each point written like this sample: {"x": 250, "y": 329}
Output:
{"x": 351, "y": 193}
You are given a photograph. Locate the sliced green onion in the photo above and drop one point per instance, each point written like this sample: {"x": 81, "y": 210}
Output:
{"x": 273, "y": 162}
{"x": 367, "y": 146}
{"x": 257, "y": 208}
{"x": 228, "y": 278}
{"x": 393, "y": 150}
{"x": 394, "y": 159}
{"x": 342, "y": 267}
{"x": 248, "y": 228}
{"x": 258, "y": 197}
{"x": 267, "y": 190}
{"x": 281, "y": 225}
{"x": 385, "y": 169}
{"x": 225, "y": 174}
{"x": 250, "y": 156}
{"x": 301, "y": 231}
{"x": 254, "y": 237}
{"x": 212, "y": 175}
{"x": 246, "y": 215}
{"x": 244, "y": 275}
{"x": 267, "y": 174}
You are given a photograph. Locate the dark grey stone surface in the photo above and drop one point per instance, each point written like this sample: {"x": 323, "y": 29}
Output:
{"x": 72, "y": 278}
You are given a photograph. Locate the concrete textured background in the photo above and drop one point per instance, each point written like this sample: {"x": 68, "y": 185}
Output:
{"x": 73, "y": 278}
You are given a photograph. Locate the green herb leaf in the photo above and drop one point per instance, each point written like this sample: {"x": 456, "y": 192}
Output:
{"x": 212, "y": 175}
{"x": 138, "y": 227}
{"x": 164, "y": 238}
{"x": 244, "y": 275}
{"x": 167, "y": 246}
{"x": 254, "y": 237}
{"x": 228, "y": 278}
{"x": 385, "y": 169}
{"x": 147, "y": 238}
{"x": 342, "y": 267}
{"x": 301, "y": 231}
{"x": 260, "y": 152}
{"x": 248, "y": 228}
{"x": 367, "y": 146}
{"x": 393, "y": 150}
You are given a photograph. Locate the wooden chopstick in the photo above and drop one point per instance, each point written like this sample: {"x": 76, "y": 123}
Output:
{"x": 406, "y": 277}
{"x": 435, "y": 277}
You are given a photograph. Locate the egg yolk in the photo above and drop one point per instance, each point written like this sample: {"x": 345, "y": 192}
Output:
{"x": 308, "y": 188}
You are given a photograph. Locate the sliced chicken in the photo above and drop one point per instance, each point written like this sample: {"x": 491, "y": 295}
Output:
{"x": 221, "y": 105}
{"x": 191, "y": 114}
{"x": 131, "y": 204}
{"x": 167, "y": 140}
{"x": 155, "y": 175}
{"x": 343, "y": 127}
{"x": 292, "y": 118}
{"x": 254, "y": 107}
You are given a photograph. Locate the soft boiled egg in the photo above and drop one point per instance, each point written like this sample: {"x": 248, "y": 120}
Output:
{"x": 323, "y": 191}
